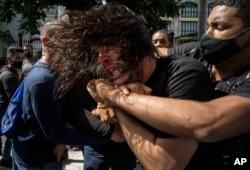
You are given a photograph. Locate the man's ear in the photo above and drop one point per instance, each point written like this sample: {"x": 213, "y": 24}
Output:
{"x": 44, "y": 39}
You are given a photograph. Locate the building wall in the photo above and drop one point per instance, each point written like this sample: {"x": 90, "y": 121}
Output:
{"x": 185, "y": 26}
{"x": 24, "y": 39}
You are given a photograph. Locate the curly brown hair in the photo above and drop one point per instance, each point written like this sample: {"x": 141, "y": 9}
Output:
{"x": 115, "y": 25}
{"x": 70, "y": 58}
{"x": 80, "y": 32}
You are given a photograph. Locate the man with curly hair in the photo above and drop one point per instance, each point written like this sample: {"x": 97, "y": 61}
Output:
{"x": 223, "y": 121}
{"x": 125, "y": 54}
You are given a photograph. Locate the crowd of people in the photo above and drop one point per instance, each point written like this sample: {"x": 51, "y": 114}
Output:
{"x": 132, "y": 101}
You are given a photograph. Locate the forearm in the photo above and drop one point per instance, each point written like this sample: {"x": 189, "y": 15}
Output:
{"x": 153, "y": 152}
{"x": 157, "y": 112}
{"x": 202, "y": 121}
{"x": 143, "y": 143}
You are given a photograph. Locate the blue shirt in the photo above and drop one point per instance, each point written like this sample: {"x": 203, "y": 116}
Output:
{"x": 43, "y": 125}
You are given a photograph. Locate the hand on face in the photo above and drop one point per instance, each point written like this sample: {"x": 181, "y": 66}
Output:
{"x": 161, "y": 52}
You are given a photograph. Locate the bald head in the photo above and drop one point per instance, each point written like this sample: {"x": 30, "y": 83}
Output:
{"x": 49, "y": 28}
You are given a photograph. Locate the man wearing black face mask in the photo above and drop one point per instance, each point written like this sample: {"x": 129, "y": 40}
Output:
{"x": 29, "y": 60}
{"x": 224, "y": 121}
{"x": 8, "y": 84}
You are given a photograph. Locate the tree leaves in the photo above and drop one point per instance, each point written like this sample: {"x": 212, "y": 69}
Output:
{"x": 33, "y": 12}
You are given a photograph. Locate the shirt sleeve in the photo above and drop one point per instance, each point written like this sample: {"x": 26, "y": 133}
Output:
{"x": 77, "y": 106}
{"x": 47, "y": 111}
{"x": 9, "y": 84}
{"x": 189, "y": 79}
{"x": 183, "y": 49}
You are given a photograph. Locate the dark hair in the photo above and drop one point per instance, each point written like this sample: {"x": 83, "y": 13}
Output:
{"x": 13, "y": 49}
{"x": 116, "y": 25}
{"x": 243, "y": 8}
{"x": 164, "y": 32}
{"x": 28, "y": 45}
{"x": 69, "y": 56}
{"x": 74, "y": 34}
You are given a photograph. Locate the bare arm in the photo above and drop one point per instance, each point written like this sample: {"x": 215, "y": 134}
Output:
{"x": 155, "y": 153}
{"x": 208, "y": 121}
{"x": 204, "y": 121}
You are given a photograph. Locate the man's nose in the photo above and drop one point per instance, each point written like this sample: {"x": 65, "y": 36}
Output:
{"x": 103, "y": 59}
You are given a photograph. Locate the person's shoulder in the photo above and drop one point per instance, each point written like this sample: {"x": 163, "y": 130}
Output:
{"x": 40, "y": 73}
{"x": 187, "y": 64}
{"x": 6, "y": 71}
{"x": 182, "y": 60}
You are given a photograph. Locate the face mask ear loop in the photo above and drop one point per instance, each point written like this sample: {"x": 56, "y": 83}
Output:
{"x": 240, "y": 34}
{"x": 232, "y": 37}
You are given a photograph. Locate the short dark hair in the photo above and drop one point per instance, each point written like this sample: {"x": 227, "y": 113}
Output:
{"x": 243, "y": 8}
{"x": 28, "y": 45}
{"x": 13, "y": 49}
{"x": 164, "y": 32}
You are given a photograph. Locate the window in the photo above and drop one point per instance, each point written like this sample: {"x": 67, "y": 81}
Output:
{"x": 189, "y": 10}
{"x": 188, "y": 27}
{"x": 209, "y": 8}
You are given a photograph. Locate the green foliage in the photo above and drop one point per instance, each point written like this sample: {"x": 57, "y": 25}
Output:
{"x": 6, "y": 36}
{"x": 152, "y": 10}
{"x": 33, "y": 12}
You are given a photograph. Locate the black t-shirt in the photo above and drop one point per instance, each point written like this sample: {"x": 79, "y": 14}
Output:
{"x": 224, "y": 155}
{"x": 180, "y": 77}
{"x": 76, "y": 107}
{"x": 185, "y": 78}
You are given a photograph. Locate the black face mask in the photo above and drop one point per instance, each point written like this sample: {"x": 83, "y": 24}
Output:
{"x": 215, "y": 50}
{"x": 17, "y": 64}
{"x": 28, "y": 54}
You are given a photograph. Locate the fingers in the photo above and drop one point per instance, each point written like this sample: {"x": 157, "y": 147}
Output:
{"x": 136, "y": 88}
{"x": 106, "y": 115}
{"x": 109, "y": 116}
{"x": 125, "y": 90}
{"x": 99, "y": 88}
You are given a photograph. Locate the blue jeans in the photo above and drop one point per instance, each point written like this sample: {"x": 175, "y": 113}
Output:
{"x": 17, "y": 164}
{"x": 116, "y": 156}
{"x": 49, "y": 166}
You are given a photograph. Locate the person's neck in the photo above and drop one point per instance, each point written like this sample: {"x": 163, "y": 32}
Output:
{"x": 230, "y": 68}
{"x": 148, "y": 67}
{"x": 44, "y": 58}
{"x": 30, "y": 59}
